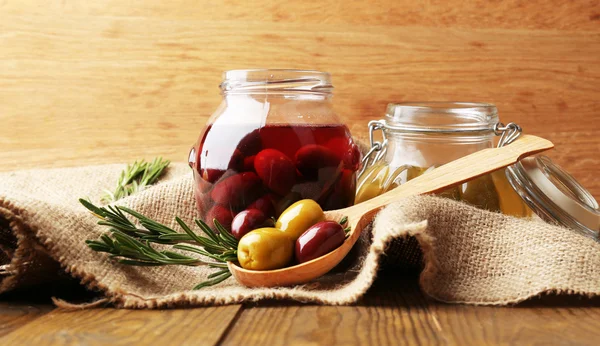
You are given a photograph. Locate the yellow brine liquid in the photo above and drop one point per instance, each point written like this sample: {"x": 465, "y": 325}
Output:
{"x": 491, "y": 192}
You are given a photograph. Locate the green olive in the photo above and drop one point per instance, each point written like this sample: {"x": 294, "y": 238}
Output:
{"x": 298, "y": 217}
{"x": 481, "y": 192}
{"x": 368, "y": 191}
{"x": 265, "y": 249}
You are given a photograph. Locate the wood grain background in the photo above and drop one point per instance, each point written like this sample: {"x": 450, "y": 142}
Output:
{"x": 88, "y": 82}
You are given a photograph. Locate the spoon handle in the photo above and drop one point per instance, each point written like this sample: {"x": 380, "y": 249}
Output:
{"x": 459, "y": 171}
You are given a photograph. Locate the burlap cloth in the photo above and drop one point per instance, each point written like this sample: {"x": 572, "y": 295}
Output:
{"x": 470, "y": 256}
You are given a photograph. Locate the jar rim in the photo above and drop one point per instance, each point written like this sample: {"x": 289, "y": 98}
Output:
{"x": 441, "y": 116}
{"x": 276, "y": 81}
{"x": 261, "y": 73}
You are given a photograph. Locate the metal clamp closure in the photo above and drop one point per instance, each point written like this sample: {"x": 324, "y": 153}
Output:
{"x": 508, "y": 134}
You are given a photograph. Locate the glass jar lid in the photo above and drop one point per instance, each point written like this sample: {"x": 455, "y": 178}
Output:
{"x": 555, "y": 195}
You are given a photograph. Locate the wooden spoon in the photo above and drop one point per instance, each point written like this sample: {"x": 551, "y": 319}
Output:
{"x": 360, "y": 215}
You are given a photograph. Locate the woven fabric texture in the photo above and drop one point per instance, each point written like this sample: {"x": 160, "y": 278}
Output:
{"x": 468, "y": 255}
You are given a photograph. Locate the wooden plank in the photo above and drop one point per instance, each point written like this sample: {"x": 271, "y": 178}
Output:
{"x": 203, "y": 326}
{"x": 383, "y": 318}
{"x": 15, "y": 314}
{"x": 550, "y": 321}
{"x": 396, "y": 312}
{"x": 569, "y": 15}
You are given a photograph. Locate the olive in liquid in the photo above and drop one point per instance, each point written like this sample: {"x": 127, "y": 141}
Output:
{"x": 492, "y": 192}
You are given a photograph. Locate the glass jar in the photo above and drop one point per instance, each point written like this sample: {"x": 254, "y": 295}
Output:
{"x": 422, "y": 136}
{"x": 273, "y": 140}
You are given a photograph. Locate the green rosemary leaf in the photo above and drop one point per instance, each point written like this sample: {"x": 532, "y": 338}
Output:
{"x": 218, "y": 273}
{"x": 225, "y": 235}
{"x": 98, "y": 246}
{"x": 203, "y": 252}
{"x": 207, "y": 230}
{"x": 208, "y": 244}
{"x": 106, "y": 239}
{"x": 156, "y": 239}
{"x": 187, "y": 230}
{"x": 139, "y": 263}
{"x": 347, "y": 230}
{"x": 150, "y": 224}
{"x": 100, "y": 213}
{"x": 344, "y": 220}
{"x": 153, "y": 171}
{"x": 198, "y": 251}
{"x": 152, "y": 251}
{"x": 230, "y": 252}
{"x": 127, "y": 240}
{"x": 175, "y": 261}
{"x": 213, "y": 282}
{"x": 230, "y": 244}
{"x": 175, "y": 237}
{"x": 175, "y": 255}
{"x": 135, "y": 177}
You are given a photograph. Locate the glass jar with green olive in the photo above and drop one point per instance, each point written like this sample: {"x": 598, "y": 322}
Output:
{"x": 422, "y": 136}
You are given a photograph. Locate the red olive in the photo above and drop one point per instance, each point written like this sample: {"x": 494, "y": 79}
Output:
{"x": 343, "y": 192}
{"x": 222, "y": 214}
{"x": 319, "y": 240}
{"x": 276, "y": 170}
{"x": 212, "y": 175}
{"x": 316, "y": 161}
{"x": 246, "y": 221}
{"x": 236, "y": 191}
{"x": 250, "y": 144}
{"x": 352, "y": 157}
{"x": 237, "y": 161}
{"x": 249, "y": 163}
{"x": 265, "y": 204}
{"x": 345, "y": 148}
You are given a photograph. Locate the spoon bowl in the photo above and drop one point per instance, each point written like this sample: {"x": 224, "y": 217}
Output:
{"x": 360, "y": 215}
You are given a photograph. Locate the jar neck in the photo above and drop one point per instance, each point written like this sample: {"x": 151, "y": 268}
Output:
{"x": 427, "y": 150}
{"x": 464, "y": 139}
{"x": 278, "y": 83}
{"x": 278, "y": 97}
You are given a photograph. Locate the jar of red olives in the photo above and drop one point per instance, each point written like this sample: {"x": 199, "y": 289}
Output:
{"x": 273, "y": 140}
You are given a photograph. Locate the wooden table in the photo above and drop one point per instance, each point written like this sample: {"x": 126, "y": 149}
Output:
{"x": 393, "y": 312}
{"x": 89, "y": 82}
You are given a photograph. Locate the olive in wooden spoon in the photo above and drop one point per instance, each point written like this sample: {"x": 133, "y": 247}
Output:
{"x": 360, "y": 215}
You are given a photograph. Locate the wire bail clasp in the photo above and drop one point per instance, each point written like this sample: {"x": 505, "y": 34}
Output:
{"x": 377, "y": 149}
{"x": 508, "y": 133}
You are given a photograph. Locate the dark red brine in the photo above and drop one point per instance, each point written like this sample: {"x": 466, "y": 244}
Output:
{"x": 237, "y": 167}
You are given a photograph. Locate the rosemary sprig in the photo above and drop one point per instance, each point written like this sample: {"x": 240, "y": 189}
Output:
{"x": 343, "y": 222}
{"x": 131, "y": 245}
{"x": 135, "y": 178}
